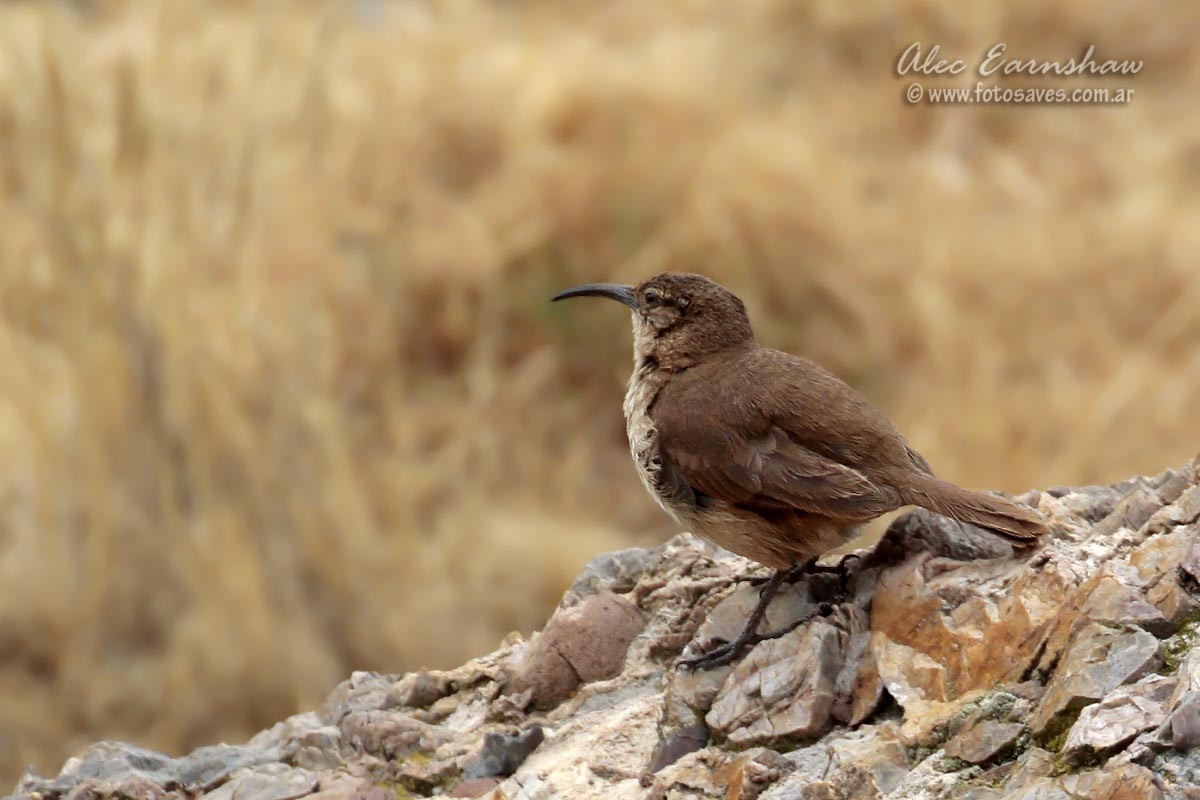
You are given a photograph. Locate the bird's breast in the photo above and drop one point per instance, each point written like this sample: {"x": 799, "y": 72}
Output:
{"x": 644, "y": 385}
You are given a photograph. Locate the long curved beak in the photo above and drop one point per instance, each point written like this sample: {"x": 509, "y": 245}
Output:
{"x": 613, "y": 291}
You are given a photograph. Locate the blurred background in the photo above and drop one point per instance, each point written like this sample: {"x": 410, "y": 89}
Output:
{"x": 281, "y": 395}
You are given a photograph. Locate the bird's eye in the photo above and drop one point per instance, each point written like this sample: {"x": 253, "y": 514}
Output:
{"x": 653, "y": 297}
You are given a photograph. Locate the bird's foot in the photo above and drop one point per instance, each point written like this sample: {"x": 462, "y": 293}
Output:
{"x": 720, "y": 655}
{"x": 828, "y": 582}
{"x": 727, "y": 652}
{"x": 754, "y": 579}
{"x": 724, "y": 653}
{"x": 814, "y": 567}
{"x": 806, "y": 569}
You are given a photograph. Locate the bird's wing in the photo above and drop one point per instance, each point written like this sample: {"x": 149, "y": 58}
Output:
{"x": 781, "y": 433}
{"x": 770, "y": 472}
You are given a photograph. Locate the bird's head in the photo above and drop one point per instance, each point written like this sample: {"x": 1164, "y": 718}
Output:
{"x": 679, "y": 319}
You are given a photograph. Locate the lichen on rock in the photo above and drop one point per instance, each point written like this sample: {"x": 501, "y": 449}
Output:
{"x": 956, "y": 669}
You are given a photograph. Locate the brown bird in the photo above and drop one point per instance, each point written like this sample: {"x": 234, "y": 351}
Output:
{"x": 766, "y": 453}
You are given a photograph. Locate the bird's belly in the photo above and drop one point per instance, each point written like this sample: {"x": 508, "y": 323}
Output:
{"x": 780, "y": 542}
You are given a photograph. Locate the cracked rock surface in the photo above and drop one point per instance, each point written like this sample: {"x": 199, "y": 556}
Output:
{"x": 952, "y": 668}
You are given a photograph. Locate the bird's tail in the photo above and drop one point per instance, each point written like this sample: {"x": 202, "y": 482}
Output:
{"x": 1021, "y": 526}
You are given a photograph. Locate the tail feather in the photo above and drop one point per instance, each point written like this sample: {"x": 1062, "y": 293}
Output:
{"x": 1020, "y": 525}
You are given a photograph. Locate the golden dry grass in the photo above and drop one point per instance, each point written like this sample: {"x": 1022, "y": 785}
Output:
{"x": 280, "y": 393}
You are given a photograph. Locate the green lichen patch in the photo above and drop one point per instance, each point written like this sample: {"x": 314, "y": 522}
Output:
{"x": 1176, "y": 648}
{"x": 949, "y": 764}
{"x": 1055, "y": 735}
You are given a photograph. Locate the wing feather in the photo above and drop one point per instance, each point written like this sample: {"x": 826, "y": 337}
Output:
{"x": 784, "y": 435}
{"x": 772, "y": 473}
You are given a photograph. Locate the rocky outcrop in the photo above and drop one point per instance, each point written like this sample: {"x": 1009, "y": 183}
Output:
{"x": 947, "y": 666}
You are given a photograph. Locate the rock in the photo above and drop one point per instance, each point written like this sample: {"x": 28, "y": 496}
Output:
{"x": 677, "y": 744}
{"x": 714, "y": 773}
{"x": 923, "y": 531}
{"x": 199, "y": 772}
{"x": 748, "y": 774}
{"x": 700, "y": 773}
{"x": 363, "y": 691}
{"x": 1184, "y": 722}
{"x": 1100, "y": 659}
{"x": 984, "y": 741}
{"x": 501, "y": 753}
{"x": 594, "y": 636}
{"x": 859, "y": 687}
{"x": 869, "y": 760}
{"x": 980, "y": 638}
{"x": 1119, "y": 717}
{"x": 1185, "y": 510}
{"x": 957, "y": 669}
{"x": 1183, "y": 769}
{"x": 698, "y": 688}
{"x": 1120, "y": 782}
{"x": 584, "y": 643}
{"x": 1030, "y": 767}
{"x": 1092, "y": 503}
{"x": 783, "y": 690}
{"x": 1187, "y": 660}
{"x": 423, "y": 776}
{"x": 304, "y": 741}
{"x": 389, "y": 734}
{"x": 1109, "y": 597}
{"x": 546, "y": 677}
{"x": 1160, "y": 564}
{"x": 341, "y": 787}
{"x": 1131, "y": 513}
{"x": 267, "y": 782}
{"x": 909, "y": 675}
{"x": 615, "y": 572}
{"x": 419, "y": 690}
{"x": 476, "y": 787}
{"x": 602, "y": 750}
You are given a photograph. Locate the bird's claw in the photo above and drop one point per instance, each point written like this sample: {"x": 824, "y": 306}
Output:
{"x": 718, "y": 656}
{"x": 725, "y": 652}
{"x": 728, "y": 652}
{"x": 806, "y": 569}
{"x": 754, "y": 579}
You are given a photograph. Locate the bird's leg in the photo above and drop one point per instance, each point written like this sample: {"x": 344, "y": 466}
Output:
{"x": 723, "y": 654}
{"x": 805, "y": 569}
{"x": 814, "y": 567}
{"x": 826, "y": 582}
{"x": 769, "y": 586}
{"x": 754, "y": 579}
{"x": 748, "y": 636}
{"x": 793, "y": 574}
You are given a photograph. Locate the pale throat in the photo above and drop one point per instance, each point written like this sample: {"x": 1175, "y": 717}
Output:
{"x": 643, "y": 341}
{"x": 644, "y": 385}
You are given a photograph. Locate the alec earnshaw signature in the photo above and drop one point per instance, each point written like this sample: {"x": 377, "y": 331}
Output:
{"x": 914, "y": 60}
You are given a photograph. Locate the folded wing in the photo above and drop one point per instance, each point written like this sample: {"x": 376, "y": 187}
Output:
{"x": 771, "y": 472}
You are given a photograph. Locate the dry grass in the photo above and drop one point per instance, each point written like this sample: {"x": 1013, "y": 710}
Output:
{"x": 280, "y": 394}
